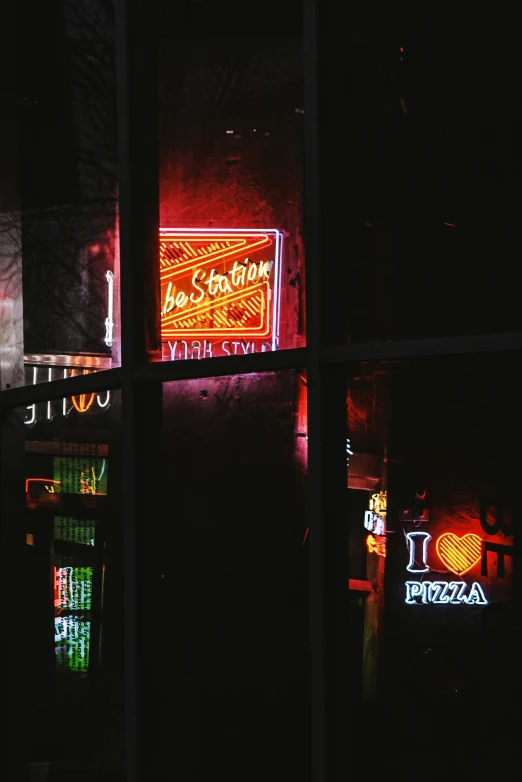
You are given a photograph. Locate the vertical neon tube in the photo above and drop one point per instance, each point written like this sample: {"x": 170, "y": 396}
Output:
{"x": 49, "y": 378}
{"x": 109, "y": 324}
{"x": 32, "y": 407}
{"x": 64, "y": 400}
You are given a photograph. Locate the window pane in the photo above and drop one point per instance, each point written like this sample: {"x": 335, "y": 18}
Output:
{"x": 235, "y": 584}
{"x": 426, "y": 188}
{"x": 230, "y": 164}
{"x": 62, "y": 551}
{"x": 59, "y": 268}
{"x": 434, "y": 509}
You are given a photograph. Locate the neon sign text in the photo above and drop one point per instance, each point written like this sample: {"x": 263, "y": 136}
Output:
{"x": 220, "y": 284}
{"x": 379, "y": 502}
{"x": 458, "y": 554}
{"x": 418, "y": 548}
{"x": 376, "y": 545}
{"x": 444, "y": 592}
{"x": 81, "y": 403}
{"x": 375, "y": 517}
{"x": 374, "y": 523}
{"x": 197, "y": 349}
{"x": 216, "y": 283}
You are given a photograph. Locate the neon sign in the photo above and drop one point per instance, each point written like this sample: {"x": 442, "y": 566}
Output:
{"x": 418, "y": 548}
{"x": 220, "y": 291}
{"x": 73, "y": 588}
{"x": 442, "y": 592}
{"x": 72, "y": 631}
{"x": 376, "y": 545}
{"x": 375, "y": 517}
{"x": 459, "y": 555}
{"x": 379, "y": 502}
{"x": 72, "y": 637}
{"x": 80, "y": 474}
{"x": 81, "y": 403}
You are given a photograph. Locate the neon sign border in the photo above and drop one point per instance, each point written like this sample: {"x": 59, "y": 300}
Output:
{"x": 278, "y": 237}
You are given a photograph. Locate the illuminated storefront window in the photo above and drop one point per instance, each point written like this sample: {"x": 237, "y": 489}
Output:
{"x": 230, "y": 197}
{"x": 441, "y": 559}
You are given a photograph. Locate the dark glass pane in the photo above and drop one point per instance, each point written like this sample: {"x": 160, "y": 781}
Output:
{"x": 235, "y": 583}
{"x": 62, "y": 548}
{"x": 434, "y": 517}
{"x": 59, "y": 264}
{"x": 421, "y": 180}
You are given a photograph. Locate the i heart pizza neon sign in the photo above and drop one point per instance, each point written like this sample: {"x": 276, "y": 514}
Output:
{"x": 459, "y": 554}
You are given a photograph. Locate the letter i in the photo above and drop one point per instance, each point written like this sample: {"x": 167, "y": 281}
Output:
{"x": 418, "y": 548}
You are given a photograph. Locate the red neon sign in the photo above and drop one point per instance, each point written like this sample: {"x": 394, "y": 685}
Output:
{"x": 220, "y": 284}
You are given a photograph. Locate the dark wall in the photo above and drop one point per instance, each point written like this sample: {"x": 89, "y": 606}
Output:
{"x": 236, "y": 578}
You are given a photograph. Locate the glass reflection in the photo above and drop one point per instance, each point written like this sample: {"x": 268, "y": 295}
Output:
{"x": 231, "y": 177}
{"x": 59, "y": 262}
{"x": 434, "y": 516}
{"x": 62, "y": 545}
{"x": 235, "y": 576}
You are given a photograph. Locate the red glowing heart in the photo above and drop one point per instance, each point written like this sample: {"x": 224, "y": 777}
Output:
{"x": 459, "y": 554}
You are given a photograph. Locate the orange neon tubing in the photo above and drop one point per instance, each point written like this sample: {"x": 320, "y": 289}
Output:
{"x": 198, "y": 261}
{"x": 168, "y": 330}
{"x": 459, "y": 561}
{"x": 82, "y": 408}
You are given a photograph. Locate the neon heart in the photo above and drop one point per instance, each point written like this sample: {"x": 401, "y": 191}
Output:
{"x": 459, "y": 554}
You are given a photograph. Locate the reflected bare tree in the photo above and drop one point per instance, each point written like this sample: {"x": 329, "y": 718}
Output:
{"x": 58, "y": 246}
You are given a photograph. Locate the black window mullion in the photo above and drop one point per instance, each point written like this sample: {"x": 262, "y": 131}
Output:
{"x": 328, "y": 531}
{"x": 140, "y": 334}
{"x": 106, "y": 380}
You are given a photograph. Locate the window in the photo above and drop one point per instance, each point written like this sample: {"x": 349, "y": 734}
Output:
{"x": 231, "y": 608}
{"x": 259, "y": 456}
{"x": 432, "y": 517}
{"x": 63, "y": 556}
{"x": 231, "y": 250}
{"x": 59, "y": 256}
